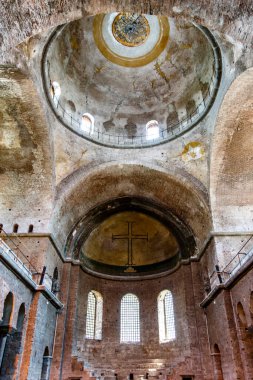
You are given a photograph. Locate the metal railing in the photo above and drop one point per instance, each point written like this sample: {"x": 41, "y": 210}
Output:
{"x": 126, "y": 140}
{"x": 5, "y": 250}
{"x": 220, "y": 276}
{"x": 73, "y": 121}
{"x": 13, "y": 252}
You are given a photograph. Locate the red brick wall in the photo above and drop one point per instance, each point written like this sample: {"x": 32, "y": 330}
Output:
{"x": 188, "y": 354}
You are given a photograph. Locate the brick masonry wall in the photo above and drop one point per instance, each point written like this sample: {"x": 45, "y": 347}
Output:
{"x": 228, "y": 333}
{"x": 10, "y": 283}
{"x": 186, "y": 355}
{"x": 43, "y": 337}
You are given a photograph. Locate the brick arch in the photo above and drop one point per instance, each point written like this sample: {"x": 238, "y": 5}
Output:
{"x": 86, "y": 191}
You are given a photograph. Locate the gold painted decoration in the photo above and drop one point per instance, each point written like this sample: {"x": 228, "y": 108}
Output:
{"x": 130, "y": 239}
{"x": 130, "y": 29}
{"x": 131, "y": 61}
{"x": 193, "y": 151}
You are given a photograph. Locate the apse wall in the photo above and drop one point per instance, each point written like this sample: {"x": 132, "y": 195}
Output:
{"x": 186, "y": 355}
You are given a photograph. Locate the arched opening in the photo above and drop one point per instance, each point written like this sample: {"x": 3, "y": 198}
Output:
{"x": 87, "y": 124}
{"x": 30, "y": 229}
{"x": 1, "y": 227}
{"x": 55, "y": 91}
{"x": 166, "y": 318}
{"x": 152, "y": 130}
{"x": 13, "y": 347}
{"x": 218, "y": 374}
{"x": 7, "y": 311}
{"x": 55, "y": 281}
{"x": 46, "y": 365}
{"x": 129, "y": 319}
{"x": 94, "y": 316}
{"x": 246, "y": 341}
{"x": 15, "y": 228}
{"x": 5, "y": 333}
{"x": 21, "y": 317}
{"x": 241, "y": 315}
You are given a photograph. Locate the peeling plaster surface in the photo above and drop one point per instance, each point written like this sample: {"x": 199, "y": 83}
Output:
{"x": 25, "y": 157}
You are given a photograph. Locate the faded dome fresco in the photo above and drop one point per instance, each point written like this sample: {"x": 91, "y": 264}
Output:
{"x": 129, "y": 80}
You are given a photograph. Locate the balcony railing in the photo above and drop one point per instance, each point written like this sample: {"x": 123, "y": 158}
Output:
{"x": 16, "y": 256}
{"x": 168, "y": 132}
{"x": 6, "y": 251}
{"x": 221, "y": 276}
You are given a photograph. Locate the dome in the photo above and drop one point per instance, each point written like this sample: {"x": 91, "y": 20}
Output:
{"x": 127, "y": 71}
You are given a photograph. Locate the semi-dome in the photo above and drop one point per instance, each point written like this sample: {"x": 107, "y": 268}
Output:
{"x": 130, "y": 242}
{"x": 130, "y": 80}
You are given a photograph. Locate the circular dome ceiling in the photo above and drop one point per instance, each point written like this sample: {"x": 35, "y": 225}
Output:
{"x": 130, "y": 80}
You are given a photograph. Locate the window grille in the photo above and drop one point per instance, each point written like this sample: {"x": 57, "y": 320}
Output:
{"x": 94, "y": 316}
{"x": 129, "y": 319}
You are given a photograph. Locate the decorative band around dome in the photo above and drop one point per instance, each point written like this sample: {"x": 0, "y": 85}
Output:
{"x": 130, "y": 29}
{"x": 127, "y": 61}
{"x": 122, "y": 106}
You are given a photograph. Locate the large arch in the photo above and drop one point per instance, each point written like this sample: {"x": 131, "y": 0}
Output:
{"x": 231, "y": 175}
{"x": 84, "y": 191}
{"x": 26, "y": 174}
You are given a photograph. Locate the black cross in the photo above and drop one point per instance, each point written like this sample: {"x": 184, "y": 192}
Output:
{"x": 130, "y": 237}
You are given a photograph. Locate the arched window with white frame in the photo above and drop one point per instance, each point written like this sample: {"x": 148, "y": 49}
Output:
{"x": 129, "y": 319}
{"x": 94, "y": 315}
{"x": 166, "y": 318}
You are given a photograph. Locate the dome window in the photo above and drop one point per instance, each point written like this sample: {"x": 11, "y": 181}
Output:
{"x": 55, "y": 92}
{"x": 87, "y": 124}
{"x": 152, "y": 130}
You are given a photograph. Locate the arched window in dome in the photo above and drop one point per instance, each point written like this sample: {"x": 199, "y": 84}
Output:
{"x": 87, "y": 124}
{"x": 55, "y": 92}
{"x": 130, "y": 319}
{"x": 166, "y": 316}
{"x": 152, "y": 130}
{"x": 94, "y": 315}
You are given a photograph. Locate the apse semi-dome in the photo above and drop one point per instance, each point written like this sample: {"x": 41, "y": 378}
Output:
{"x": 130, "y": 80}
{"x": 130, "y": 237}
